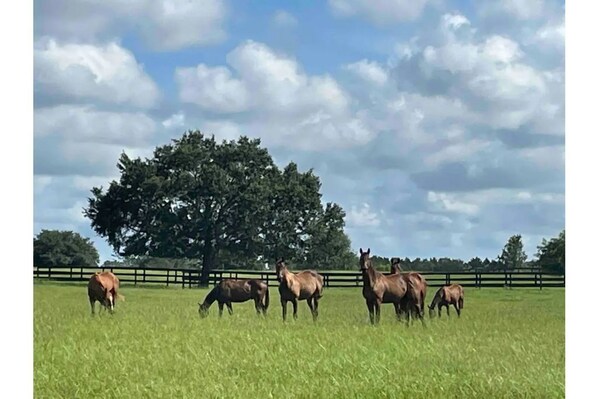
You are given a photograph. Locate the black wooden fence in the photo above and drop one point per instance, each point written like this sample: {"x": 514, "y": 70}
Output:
{"x": 187, "y": 278}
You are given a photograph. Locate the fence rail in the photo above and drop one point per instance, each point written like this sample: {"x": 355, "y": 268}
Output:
{"x": 187, "y": 278}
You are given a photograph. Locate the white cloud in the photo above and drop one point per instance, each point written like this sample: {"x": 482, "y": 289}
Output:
{"x": 382, "y": 12}
{"x": 212, "y": 89}
{"x": 362, "y": 217}
{"x": 163, "y": 24}
{"x": 454, "y": 21}
{"x": 370, "y": 71}
{"x": 284, "y": 19}
{"x": 449, "y": 203}
{"x": 83, "y": 72}
{"x": 551, "y": 35}
{"x": 283, "y": 104}
{"x": 84, "y": 124}
{"x": 175, "y": 120}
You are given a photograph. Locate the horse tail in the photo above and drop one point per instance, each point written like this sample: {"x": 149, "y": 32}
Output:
{"x": 321, "y": 280}
{"x": 267, "y": 299}
{"x": 461, "y": 301}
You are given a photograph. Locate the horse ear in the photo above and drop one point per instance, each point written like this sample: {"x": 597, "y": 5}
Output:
{"x": 360, "y": 251}
{"x": 368, "y": 251}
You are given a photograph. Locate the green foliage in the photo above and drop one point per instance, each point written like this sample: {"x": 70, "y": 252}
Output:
{"x": 218, "y": 202}
{"x": 551, "y": 254}
{"x": 63, "y": 248}
{"x": 513, "y": 256}
{"x": 507, "y": 344}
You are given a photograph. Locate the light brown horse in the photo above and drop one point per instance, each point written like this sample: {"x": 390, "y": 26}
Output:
{"x": 413, "y": 303}
{"x": 103, "y": 287}
{"x": 230, "y": 290}
{"x": 305, "y": 285}
{"x": 379, "y": 288}
{"x": 448, "y": 295}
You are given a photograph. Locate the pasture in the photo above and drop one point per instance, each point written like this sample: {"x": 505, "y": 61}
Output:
{"x": 507, "y": 344}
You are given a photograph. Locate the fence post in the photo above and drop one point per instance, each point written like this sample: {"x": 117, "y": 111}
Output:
{"x": 167, "y": 276}
{"x": 135, "y": 279}
{"x": 541, "y": 274}
{"x": 144, "y": 274}
{"x": 49, "y": 272}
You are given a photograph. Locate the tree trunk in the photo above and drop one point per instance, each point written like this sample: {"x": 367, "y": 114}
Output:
{"x": 207, "y": 263}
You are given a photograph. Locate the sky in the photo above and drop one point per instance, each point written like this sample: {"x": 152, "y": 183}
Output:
{"x": 438, "y": 126}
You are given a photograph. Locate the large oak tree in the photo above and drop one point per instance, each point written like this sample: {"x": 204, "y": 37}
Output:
{"x": 198, "y": 198}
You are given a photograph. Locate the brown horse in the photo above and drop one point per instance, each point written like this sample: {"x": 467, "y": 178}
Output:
{"x": 103, "y": 287}
{"x": 229, "y": 290}
{"x": 448, "y": 295}
{"x": 413, "y": 303}
{"x": 306, "y": 285}
{"x": 379, "y": 288}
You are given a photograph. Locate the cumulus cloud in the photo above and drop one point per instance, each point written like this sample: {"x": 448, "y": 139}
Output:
{"x": 383, "y": 12}
{"x": 82, "y": 72}
{"x": 280, "y": 100}
{"x": 174, "y": 121}
{"x": 519, "y": 9}
{"x": 369, "y": 71}
{"x": 362, "y": 217}
{"x": 163, "y": 25}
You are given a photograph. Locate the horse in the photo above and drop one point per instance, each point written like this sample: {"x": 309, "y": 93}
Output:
{"x": 448, "y": 295}
{"x": 241, "y": 290}
{"x": 305, "y": 285}
{"x": 414, "y": 302}
{"x": 103, "y": 287}
{"x": 379, "y": 288}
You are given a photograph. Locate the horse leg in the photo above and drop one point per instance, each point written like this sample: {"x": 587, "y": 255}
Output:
{"x": 316, "y": 304}
{"x": 294, "y": 302}
{"x": 284, "y": 309}
{"x": 220, "y": 308}
{"x": 311, "y": 307}
{"x": 448, "y": 313}
{"x": 457, "y": 309}
{"x": 230, "y": 308}
{"x": 377, "y": 308}
{"x": 371, "y": 310}
{"x": 397, "y": 310}
{"x": 258, "y": 306}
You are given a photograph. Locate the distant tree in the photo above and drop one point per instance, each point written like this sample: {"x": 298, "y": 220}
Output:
{"x": 63, "y": 248}
{"x": 475, "y": 264}
{"x": 551, "y": 254}
{"x": 513, "y": 256}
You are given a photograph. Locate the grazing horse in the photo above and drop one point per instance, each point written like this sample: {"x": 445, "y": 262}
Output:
{"x": 293, "y": 287}
{"x": 241, "y": 290}
{"x": 379, "y": 288}
{"x": 103, "y": 287}
{"x": 448, "y": 295}
{"x": 413, "y": 303}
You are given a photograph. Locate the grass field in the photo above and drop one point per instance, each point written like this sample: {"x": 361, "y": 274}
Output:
{"x": 507, "y": 344}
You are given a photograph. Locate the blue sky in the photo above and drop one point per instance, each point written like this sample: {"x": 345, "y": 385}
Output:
{"x": 437, "y": 125}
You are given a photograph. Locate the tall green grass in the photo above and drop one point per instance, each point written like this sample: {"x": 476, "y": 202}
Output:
{"x": 507, "y": 344}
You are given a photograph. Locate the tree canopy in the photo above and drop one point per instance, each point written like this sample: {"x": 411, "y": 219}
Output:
{"x": 551, "y": 254}
{"x": 200, "y": 199}
{"x": 63, "y": 248}
{"x": 513, "y": 256}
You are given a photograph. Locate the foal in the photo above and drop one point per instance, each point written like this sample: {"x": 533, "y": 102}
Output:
{"x": 448, "y": 295}
{"x": 413, "y": 303}
{"x": 305, "y": 285}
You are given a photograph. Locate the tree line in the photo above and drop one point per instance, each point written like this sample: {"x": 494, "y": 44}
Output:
{"x": 200, "y": 203}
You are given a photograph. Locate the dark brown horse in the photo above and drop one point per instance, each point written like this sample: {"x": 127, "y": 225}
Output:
{"x": 413, "y": 303}
{"x": 242, "y": 290}
{"x": 379, "y": 288}
{"x": 103, "y": 287}
{"x": 448, "y": 295}
{"x": 306, "y": 285}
